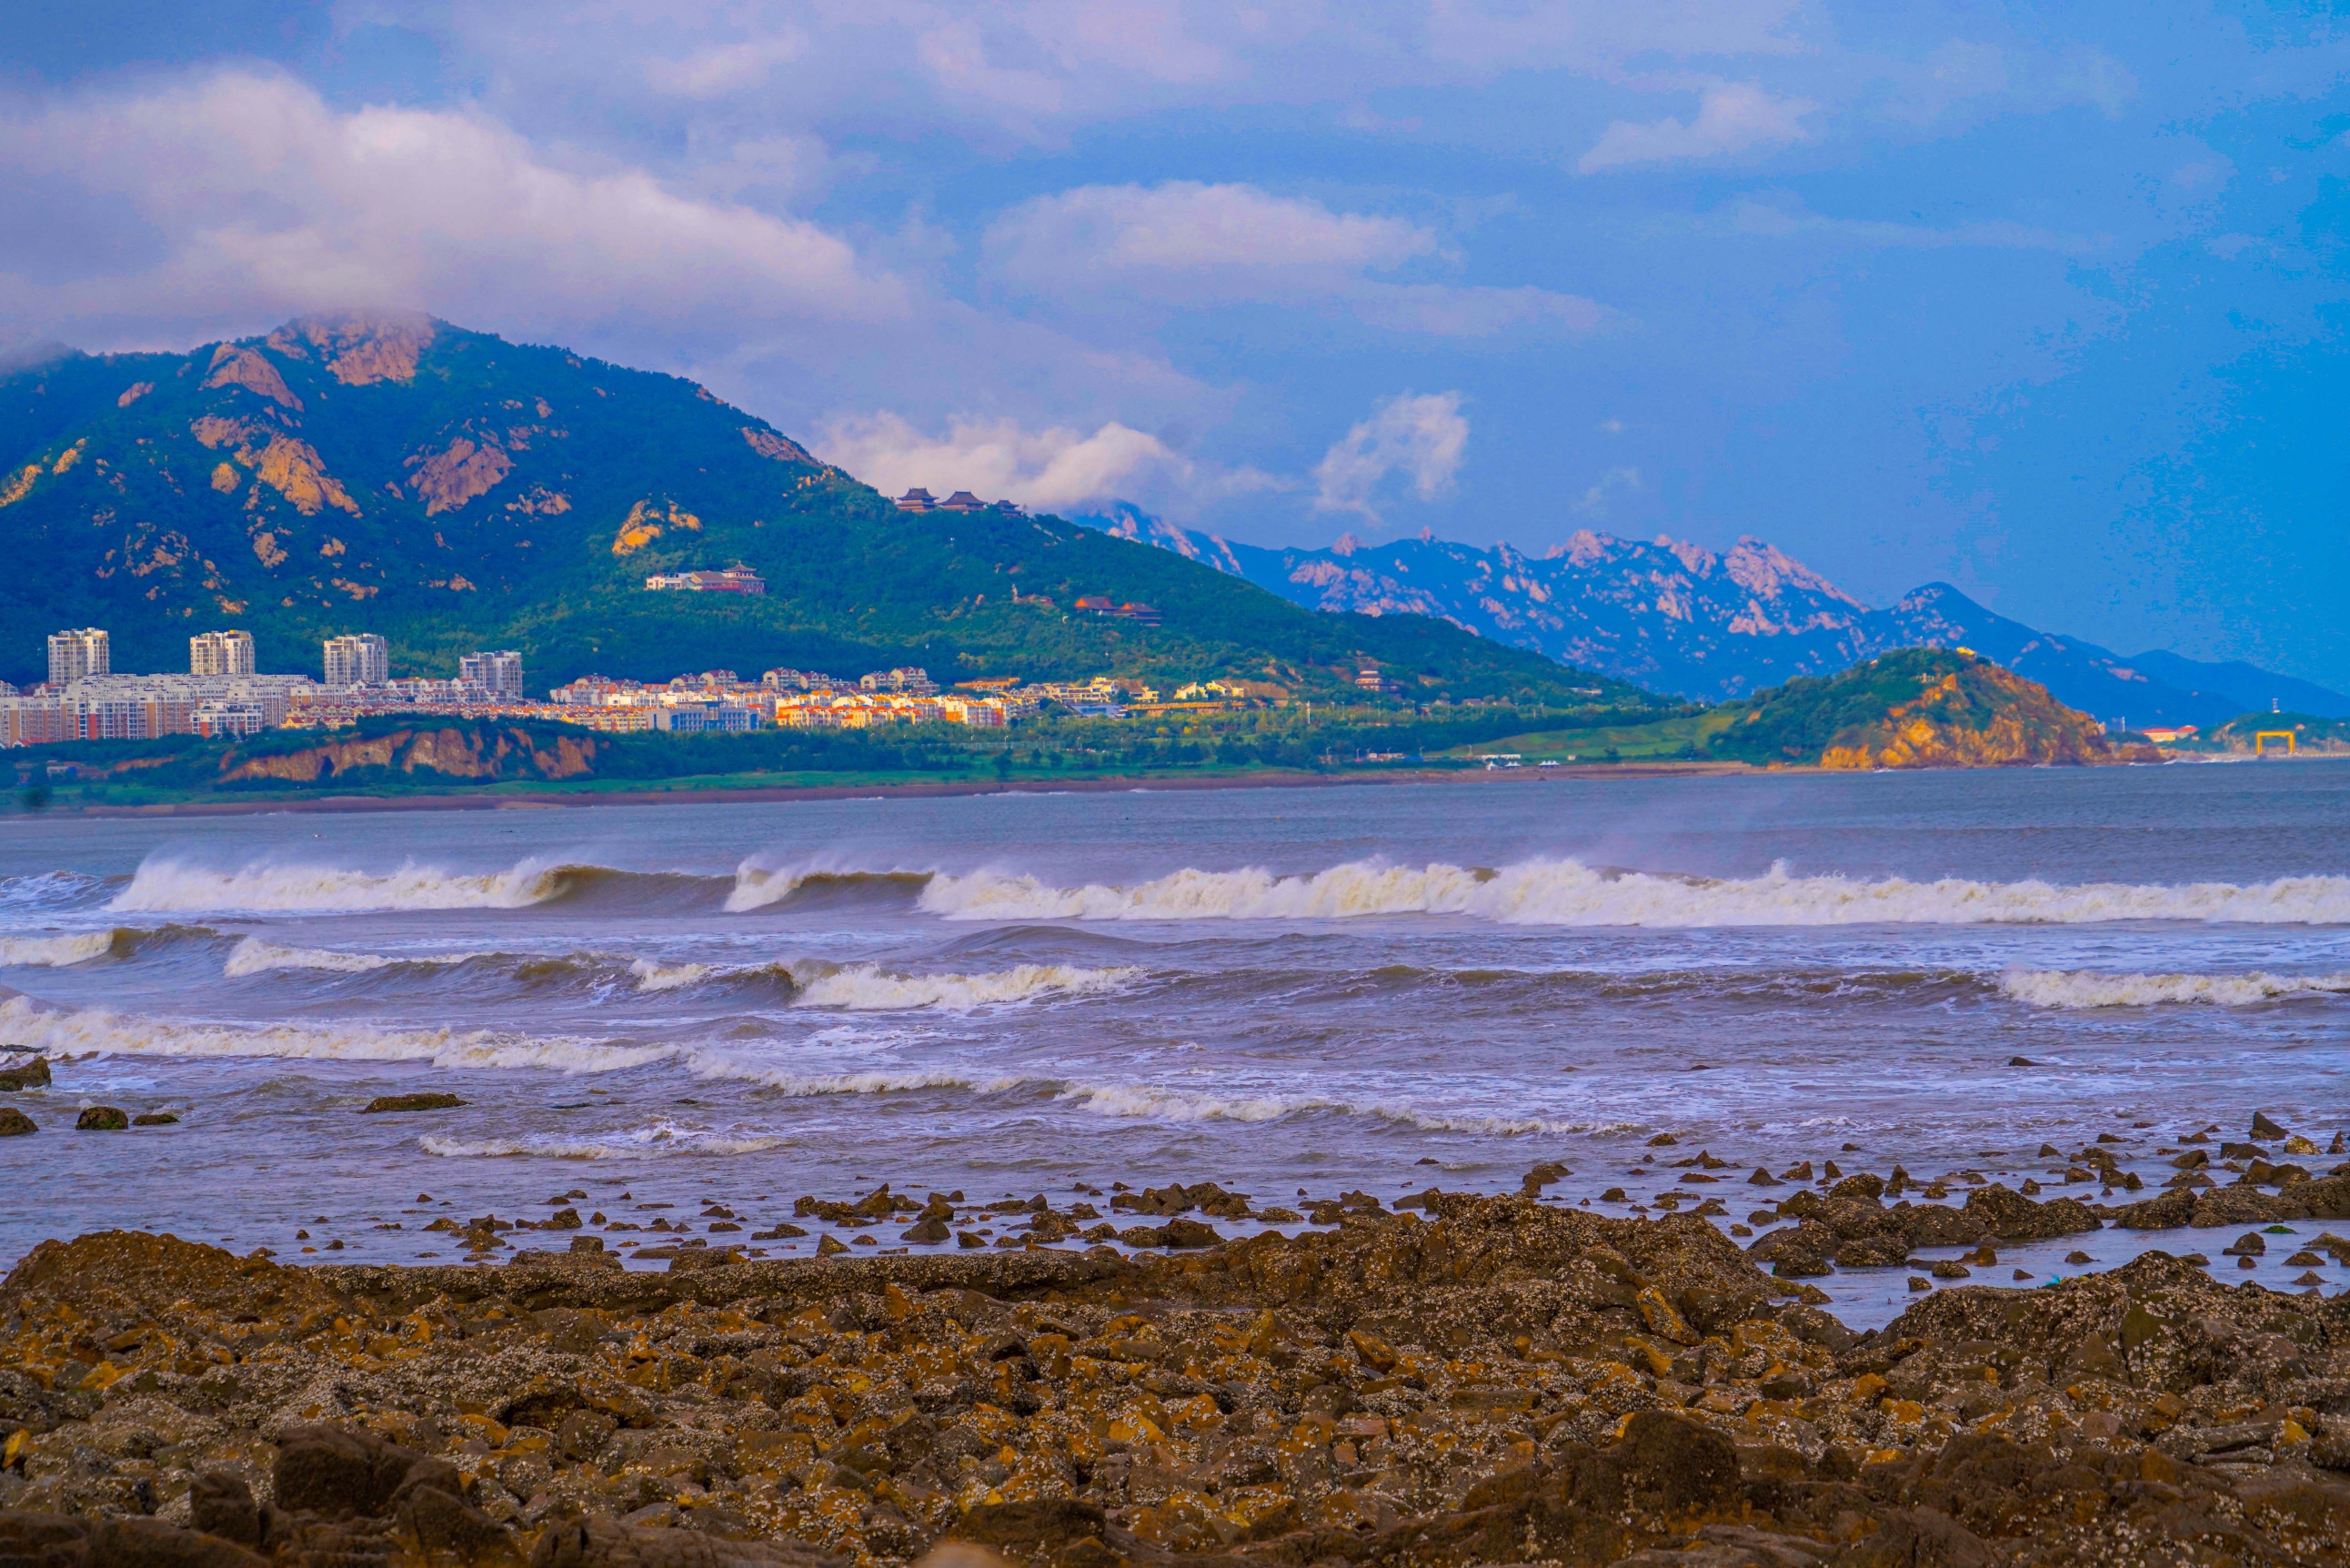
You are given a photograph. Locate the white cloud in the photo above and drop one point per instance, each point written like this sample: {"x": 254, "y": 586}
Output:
{"x": 1780, "y": 216}
{"x": 1200, "y": 234}
{"x": 1598, "y": 35}
{"x": 1054, "y": 468}
{"x": 1732, "y": 116}
{"x": 256, "y": 200}
{"x": 1596, "y": 498}
{"x": 1187, "y": 243}
{"x": 1446, "y": 310}
{"x": 1421, "y": 438}
{"x": 722, "y": 69}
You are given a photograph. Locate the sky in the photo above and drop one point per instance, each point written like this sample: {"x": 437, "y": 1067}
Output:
{"x": 2048, "y": 302}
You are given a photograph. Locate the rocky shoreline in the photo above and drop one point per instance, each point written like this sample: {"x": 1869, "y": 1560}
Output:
{"x": 1467, "y": 1379}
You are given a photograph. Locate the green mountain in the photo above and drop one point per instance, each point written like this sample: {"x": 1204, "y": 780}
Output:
{"x": 1916, "y": 708}
{"x": 452, "y": 491}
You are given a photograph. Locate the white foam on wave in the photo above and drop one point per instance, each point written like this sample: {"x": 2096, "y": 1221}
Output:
{"x": 53, "y": 953}
{"x": 863, "y": 988}
{"x": 798, "y": 1084}
{"x": 759, "y": 883}
{"x": 53, "y": 1031}
{"x": 254, "y": 955}
{"x": 651, "y": 976}
{"x": 1157, "y": 1102}
{"x": 167, "y": 885}
{"x": 657, "y": 1138}
{"x": 1568, "y": 893}
{"x": 2082, "y": 988}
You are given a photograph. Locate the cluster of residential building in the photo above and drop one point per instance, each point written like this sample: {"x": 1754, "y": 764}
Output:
{"x": 221, "y": 694}
{"x": 718, "y": 700}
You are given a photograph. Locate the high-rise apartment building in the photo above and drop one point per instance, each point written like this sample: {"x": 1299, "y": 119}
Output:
{"x": 359, "y": 658}
{"x": 500, "y": 672}
{"x": 221, "y": 653}
{"x": 74, "y": 655}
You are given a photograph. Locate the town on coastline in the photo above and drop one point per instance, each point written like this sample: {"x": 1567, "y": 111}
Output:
{"x": 221, "y": 695}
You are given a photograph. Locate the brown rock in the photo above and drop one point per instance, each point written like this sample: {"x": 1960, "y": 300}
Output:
{"x": 1672, "y": 1464}
{"x": 25, "y": 1073}
{"x": 599, "y": 1543}
{"x": 343, "y": 1470}
{"x": 102, "y": 1119}
{"x": 15, "y": 1123}
{"x": 57, "y": 1540}
{"x": 222, "y": 1504}
{"x": 383, "y": 1103}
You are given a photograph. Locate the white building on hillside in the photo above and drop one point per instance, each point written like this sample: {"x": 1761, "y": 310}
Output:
{"x": 358, "y": 658}
{"x": 500, "y": 673}
{"x": 74, "y": 654}
{"x": 221, "y": 653}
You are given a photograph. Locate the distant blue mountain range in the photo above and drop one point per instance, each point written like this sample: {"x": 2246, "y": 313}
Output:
{"x": 1679, "y": 619}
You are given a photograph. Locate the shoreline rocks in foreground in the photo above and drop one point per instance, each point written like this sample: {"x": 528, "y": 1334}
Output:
{"x": 1497, "y": 1381}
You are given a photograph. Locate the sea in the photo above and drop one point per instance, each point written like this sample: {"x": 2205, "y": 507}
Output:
{"x": 1294, "y": 992}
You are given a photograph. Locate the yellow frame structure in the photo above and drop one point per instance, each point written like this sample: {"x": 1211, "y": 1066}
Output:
{"x": 2261, "y": 738}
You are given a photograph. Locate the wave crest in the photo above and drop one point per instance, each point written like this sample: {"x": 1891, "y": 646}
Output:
{"x": 167, "y": 885}
{"x": 55, "y": 952}
{"x": 758, "y": 886}
{"x": 2080, "y": 989}
{"x": 1568, "y": 893}
{"x": 28, "y": 1024}
{"x": 863, "y": 988}
{"x": 651, "y": 976}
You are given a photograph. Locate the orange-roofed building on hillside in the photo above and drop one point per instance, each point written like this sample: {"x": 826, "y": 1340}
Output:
{"x": 963, "y": 501}
{"x": 917, "y": 500}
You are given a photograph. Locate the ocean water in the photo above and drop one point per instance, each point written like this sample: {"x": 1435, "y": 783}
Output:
{"x": 1300, "y": 991}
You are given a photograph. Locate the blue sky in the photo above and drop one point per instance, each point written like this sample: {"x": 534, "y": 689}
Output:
{"x": 2046, "y": 301}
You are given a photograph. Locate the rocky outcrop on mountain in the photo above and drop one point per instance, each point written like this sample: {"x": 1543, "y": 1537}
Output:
{"x": 1921, "y": 708}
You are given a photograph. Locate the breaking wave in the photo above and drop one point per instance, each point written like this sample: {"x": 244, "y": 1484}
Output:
{"x": 164, "y": 885}
{"x": 758, "y": 886}
{"x": 862, "y": 988}
{"x": 1567, "y": 893}
{"x": 1154, "y": 1102}
{"x": 651, "y": 976}
{"x": 26, "y": 1025}
{"x": 2075, "y": 989}
{"x": 55, "y": 952}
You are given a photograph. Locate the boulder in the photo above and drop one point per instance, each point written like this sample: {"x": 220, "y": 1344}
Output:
{"x": 344, "y": 1471}
{"x": 25, "y": 1073}
{"x": 2012, "y": 1216}
{"x": 62, "y": 1541}
{"x": 102, "y": 1119}
{"x": 599, "y": 1543}
{"x": 383, "y": 1103}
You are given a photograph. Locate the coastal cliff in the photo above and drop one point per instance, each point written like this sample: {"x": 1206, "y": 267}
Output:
{"x": 1919, "y": 708}
{"x": 453, "y": 750}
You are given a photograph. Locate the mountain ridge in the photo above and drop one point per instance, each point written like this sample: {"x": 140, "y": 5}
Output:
{"x": 1712, "y": 626}
{"x": 374, "y": 471}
